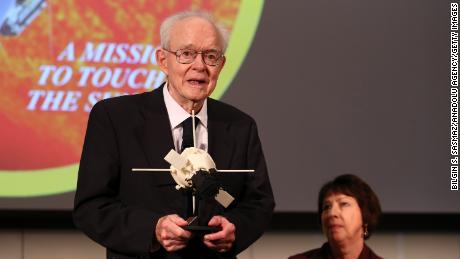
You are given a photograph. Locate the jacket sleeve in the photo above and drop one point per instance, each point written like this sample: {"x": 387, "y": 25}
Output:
{"x": 253, "y": 212}
{"x": 98, "y": 210}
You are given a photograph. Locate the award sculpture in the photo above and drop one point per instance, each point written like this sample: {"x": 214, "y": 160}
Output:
{"x": 195, "y": 170}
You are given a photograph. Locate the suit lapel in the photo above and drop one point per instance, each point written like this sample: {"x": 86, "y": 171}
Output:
{"x": 155, "y": 135}
{"x": 221, "y": 143}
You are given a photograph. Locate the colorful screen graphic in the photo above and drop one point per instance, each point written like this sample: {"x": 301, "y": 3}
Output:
{"x": 58, "y": 58}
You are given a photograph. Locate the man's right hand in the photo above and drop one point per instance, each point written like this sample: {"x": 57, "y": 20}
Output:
{"x": 170, "y": 234}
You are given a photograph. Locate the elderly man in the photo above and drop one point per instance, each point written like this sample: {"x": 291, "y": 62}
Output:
{"x": 142, "y": 215}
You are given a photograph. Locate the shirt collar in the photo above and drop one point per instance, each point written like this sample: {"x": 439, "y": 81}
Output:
{"x": 177, "y": 114}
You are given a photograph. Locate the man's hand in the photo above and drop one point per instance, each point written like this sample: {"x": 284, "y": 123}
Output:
{"x": 170, "y": 234}
{"x": 221, "y": 241}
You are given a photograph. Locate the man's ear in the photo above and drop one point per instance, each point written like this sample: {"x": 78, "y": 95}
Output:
{"x": 223, "y": 62}
{"x": 161, "y": 60}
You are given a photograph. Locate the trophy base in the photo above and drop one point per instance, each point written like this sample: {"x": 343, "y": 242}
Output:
{"x": 201, "y": 229}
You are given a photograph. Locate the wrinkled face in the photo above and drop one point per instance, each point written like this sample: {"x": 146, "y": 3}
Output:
{"x": 341, "y": 218}
{"x": 196, "y": 81}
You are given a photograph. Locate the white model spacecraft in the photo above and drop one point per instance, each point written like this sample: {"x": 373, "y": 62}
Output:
{"x": 191, "y": 163}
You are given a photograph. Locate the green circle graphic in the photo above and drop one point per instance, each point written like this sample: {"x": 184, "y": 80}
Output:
{"x": 33, "y": 183}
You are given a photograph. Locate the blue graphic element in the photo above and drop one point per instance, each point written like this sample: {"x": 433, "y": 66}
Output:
{"x": 16, "y": 15}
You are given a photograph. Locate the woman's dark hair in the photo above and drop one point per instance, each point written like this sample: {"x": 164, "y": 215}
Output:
{"x": 352, "y": 185}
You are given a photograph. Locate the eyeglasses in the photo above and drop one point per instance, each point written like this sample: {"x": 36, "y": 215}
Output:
{"x": 186, "y": 56}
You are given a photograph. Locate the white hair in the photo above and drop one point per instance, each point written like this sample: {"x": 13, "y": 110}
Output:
{"x": 168, "y": 23}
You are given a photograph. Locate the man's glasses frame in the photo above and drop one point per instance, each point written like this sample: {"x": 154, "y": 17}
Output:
{"x": 210, "y": 57}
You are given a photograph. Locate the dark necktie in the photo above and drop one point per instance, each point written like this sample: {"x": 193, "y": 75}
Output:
{"x": 187, "y": 141}
{"x": 187, "y": 133}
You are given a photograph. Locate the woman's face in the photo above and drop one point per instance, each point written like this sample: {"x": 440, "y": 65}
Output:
{"x": 341, "y": 218}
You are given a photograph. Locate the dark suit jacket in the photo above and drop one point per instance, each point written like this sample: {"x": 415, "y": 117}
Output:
{"x": 119, "y": 208}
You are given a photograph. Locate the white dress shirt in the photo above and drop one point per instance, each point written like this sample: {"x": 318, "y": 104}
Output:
{"x": 177, "y": 115}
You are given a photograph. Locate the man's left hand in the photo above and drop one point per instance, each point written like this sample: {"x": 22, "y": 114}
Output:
{"x": 221, "y": 241}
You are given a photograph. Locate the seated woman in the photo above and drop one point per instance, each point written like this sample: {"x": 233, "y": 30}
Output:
{"x": 349, "y": 211}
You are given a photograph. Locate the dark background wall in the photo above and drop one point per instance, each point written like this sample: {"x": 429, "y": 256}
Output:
{"x": 356, "y": 87}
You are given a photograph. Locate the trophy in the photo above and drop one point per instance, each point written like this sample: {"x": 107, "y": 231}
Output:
{"x": 195, "y": 170}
